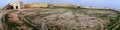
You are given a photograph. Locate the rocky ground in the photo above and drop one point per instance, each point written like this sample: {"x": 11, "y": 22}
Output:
{"x": 64, "y": 19}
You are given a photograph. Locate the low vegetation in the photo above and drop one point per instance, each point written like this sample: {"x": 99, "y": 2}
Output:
{"x": 68, "y": 18}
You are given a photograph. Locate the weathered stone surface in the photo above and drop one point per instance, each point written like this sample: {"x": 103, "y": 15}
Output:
{"x": 68, "y": 19}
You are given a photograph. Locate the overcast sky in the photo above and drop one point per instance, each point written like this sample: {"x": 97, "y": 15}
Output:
{"x": 95, "y": 3}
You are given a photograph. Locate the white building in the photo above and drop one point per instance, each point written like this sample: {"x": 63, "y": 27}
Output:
{"x": 17, "y": 5}
{"x": 14, "y": 5}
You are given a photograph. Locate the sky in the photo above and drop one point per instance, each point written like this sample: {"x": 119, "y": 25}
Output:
{"x": 95, "y": 3}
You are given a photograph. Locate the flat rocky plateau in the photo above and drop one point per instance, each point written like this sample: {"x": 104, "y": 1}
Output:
{"x": 62, "y": 19}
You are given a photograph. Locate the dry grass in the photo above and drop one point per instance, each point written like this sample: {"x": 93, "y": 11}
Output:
{"x": 68, "y": 19}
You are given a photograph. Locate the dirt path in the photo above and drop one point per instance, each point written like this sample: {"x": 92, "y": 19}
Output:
{"x": 14, "y": 19}
{"x": 3, "y": 12}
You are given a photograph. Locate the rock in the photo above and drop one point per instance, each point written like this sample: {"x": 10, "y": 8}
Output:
{"x": 69, "y": 19}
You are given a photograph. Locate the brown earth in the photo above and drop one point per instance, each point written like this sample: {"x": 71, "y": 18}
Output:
{"x": 61, "y": 19}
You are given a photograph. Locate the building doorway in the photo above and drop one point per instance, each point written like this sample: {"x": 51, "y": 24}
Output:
{"x": 10, "y": 7}
{"x": 16, "y": 7}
